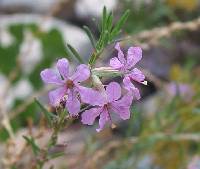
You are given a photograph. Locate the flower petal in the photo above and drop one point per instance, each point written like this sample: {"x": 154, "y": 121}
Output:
{"x": 49, "y": 76}
{"x": 89, "y": 116}
{"x": 113, "y": 91}
{"x": 115, "y": 63}
{"x": 136, "y": 94}
{"x": 123, "y": 112}
{"x": 73, "y": 104}
{"x": 104, "y": 117}
{"x": 134, "y": 55}
{"x": 125, "y": 101}
{"x": 131, "y": 88}
{"x": 127, "y": 83}
{"x": 137, "y": 75}
{"x": 82, "y": 73}
{"x": 120, "y": 54}
{"x": 91, "y": 96}
{"x": 56, "y": 95}
{"x": 63, "y": 67}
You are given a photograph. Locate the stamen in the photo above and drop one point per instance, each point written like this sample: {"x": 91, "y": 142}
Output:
{"x": 69, "y": 84}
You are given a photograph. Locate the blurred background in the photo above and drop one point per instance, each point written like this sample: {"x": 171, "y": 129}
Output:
{"x": 164, "y": 130}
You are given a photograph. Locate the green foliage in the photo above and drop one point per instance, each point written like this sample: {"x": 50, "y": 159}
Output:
{"x": 9, "y": 54}
{"x": 47, "y": 114}
{"x": 33, "y": 145}
{"x": 73, "y": 53}
{"x": 108, "y": 32}
{"x": 90, "y": 35}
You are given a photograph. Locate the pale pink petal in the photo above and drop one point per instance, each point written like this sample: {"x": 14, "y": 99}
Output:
{"x": 104, "y": 117}
{"x": 137, "y": 75}
{"x": 134, "y": 55}
{"x": 49, "y": 76}
{"x": 82, "y": 73}
{"x": 113, "y": 91}
{"x": 89, "y": 116}
{"x": 120, "y": 54}
{"x": 115, "y": 63}
{"x": 63, "y": 67}
{"x": 73, "y": 104}
{"x": 56, "y": 95}
{"x": 91, "y": 96}
{"x": 131, "y": 88}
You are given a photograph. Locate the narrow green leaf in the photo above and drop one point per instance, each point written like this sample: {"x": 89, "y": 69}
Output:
{"x": 56, "y": 155}
{"x": 94, "y": 57}
{"x": 90, "y": 36}
{"x": 75, "y": 53}
{"x": 119, "y": 24}
{"x": 109, "y": 21}
{"x": 106, "y": 39}
{"x": 33, "y": 145}
{"x": 47, "y": 114}
{"x": 69, "y": 53}
{"x": 103, "y": 24}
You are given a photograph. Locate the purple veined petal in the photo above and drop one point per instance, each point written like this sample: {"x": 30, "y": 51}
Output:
{"x": 56, "y": 95}
{"x": 91, "y": 96}
{"x": 104, "y": 117}
{"x": 131, "y": 88}
{"x": 115, "y": 63}
{"x": 113, "y": 91}
{"x": 50, "y": 77}
{"x": 82, "y": 73}
{"x": 123, "y": 112}
{"x": 127, "y": 83}
{"x": 136, "y": 94}
{"x": 63, "y": 67}
{"x": 125, "y": 101}
{"x": 137, "y": 75}
{"x": 73, "y": 104}
{"x": 134, "y": 55}
{"x": 88, "y": 117}
{"x": 120, "y": 54}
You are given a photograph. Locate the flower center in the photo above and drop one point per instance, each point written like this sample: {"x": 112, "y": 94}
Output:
{"x": 69, "y": 84}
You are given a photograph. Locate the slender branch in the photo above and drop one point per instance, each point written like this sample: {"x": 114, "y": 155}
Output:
{"x": 148, "y": 38}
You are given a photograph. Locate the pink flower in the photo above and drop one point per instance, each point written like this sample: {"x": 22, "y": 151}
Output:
{"x": 195, "y": 163}
{"x": 183, "y": 90}
{"x": 125, "y": 65}
{"x": 67, "y": 85}
{"x": 109, "y": 102}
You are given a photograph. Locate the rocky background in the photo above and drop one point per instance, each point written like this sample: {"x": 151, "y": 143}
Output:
{"x": 163, "y": 132}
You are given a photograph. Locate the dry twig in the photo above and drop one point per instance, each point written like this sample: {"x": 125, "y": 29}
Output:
{"x": 151, "y": 37}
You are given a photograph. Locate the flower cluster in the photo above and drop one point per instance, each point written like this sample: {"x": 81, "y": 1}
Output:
{"x": 103, "y": 99}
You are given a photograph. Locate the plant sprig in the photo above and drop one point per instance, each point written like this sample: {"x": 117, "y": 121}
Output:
{"x": 108, "y": 32}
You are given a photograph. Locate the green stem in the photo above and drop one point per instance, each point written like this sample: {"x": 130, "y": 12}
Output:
{"x": 57, "y": 128}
